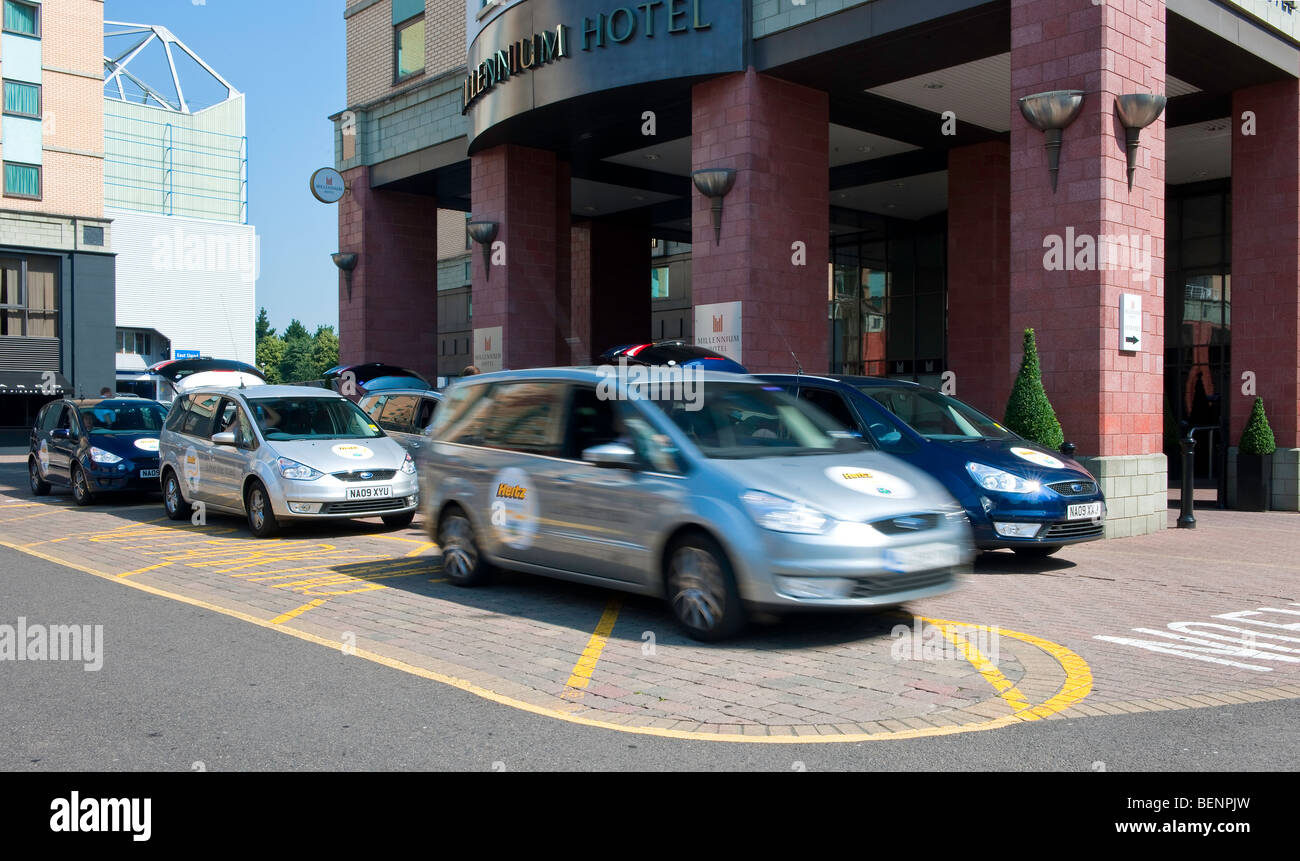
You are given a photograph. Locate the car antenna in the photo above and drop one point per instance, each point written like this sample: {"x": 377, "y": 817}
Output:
{"x": 798, "y": 367}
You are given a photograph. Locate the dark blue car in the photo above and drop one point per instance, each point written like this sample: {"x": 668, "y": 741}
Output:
{"x": 673, "y": 352}
{"x": 1017, "y": 494}
{"x": 96, "y": 446}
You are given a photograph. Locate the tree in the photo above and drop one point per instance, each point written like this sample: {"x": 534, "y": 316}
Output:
{"x": 1257, "y": 438}
{"x": 270, "y": 356}
{"x": 324, "y": 350}
{"x": 263, "y": 326}
{"x": 1029, "y": 412}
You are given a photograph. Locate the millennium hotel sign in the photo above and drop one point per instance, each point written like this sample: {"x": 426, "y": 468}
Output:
{"x": 649, "y": 19}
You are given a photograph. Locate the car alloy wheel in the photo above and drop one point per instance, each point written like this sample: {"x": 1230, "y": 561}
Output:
{"x": 173, "y": 502}
{"x": 696, "y": 588}
{"x": 80, "y": 488}
{"x": 39, "y": 486}
{"x": 462, "y": 563}
{"x": 261, "y": 518}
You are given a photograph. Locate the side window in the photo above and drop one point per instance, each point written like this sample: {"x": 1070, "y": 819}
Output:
{"x": 463, "y": 414}
{"x": 398, "y": 413}
{"x": 427, "y": 408}
{"x": 526, "y": 417}
{"x": 198, "y": 420}
{"x": 227, "y": 418}
{"x": 66, "y": 420}
{"x": 176, "y": 417}
{"x": 373, "y": 405}
{"x": 50, "y": 416}
{"x": 245, "y": 436}
{"x": 831, "y": 403}
{"x": 592, "y": 422}
{"x": 885, "y": 431}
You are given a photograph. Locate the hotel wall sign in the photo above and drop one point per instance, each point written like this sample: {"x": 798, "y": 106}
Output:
{"x": 544, "y": 52}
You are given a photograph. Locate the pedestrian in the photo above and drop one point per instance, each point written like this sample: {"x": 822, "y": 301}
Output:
{"x": 470, "y": 370}
{"x": 106, "y": 392}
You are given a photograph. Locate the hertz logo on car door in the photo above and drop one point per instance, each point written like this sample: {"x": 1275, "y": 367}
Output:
{"x": 511, "y": 491}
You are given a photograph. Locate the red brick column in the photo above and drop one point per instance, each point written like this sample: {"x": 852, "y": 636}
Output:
{"x": 1109, "y": 402}
{"x": 392, "y": 315}
{"x": 521, "y": 189}
{"x": 610, "y": 299}
{"x": 1266, "y": 258}
{"x": 979, "y": 279}
{"x": 776, "y": 135}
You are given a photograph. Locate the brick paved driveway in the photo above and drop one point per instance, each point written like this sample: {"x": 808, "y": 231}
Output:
{"x": 1019, "y": 642}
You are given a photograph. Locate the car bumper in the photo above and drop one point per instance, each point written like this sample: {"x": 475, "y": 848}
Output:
{"x": 848, "y": 569}
{"x": 108, "y": 478}
{"x": 327, "y": 499}
{"x": 1054, "y": 529}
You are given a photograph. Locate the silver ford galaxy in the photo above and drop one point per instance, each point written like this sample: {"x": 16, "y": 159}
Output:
{"x": 277, "y": 453}
{"x": 717, "y": 492}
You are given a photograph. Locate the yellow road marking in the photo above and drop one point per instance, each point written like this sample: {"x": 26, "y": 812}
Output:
{"x": 1005, "y": 687}
{"x": 297, "y": 611}
{"x": 582, "y": 670}
{"x": 420, "y": 550}
{"x": 142, "y": 570}
{"x": 1077, "y": 685}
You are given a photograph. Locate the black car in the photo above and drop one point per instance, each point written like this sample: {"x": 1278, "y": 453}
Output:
{"x": 403, "y": 413}
{"x": 672, "y": 352}
{"x": 355, "y": 381}
{"x": 96, "y": 446}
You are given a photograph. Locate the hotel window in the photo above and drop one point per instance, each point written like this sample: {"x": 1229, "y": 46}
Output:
{"x": 133, "y": 341}
{"x": 22, "y": 180}
{"x": 659, "y": 282}
{"x": 22, "y": 100}
{"x": 23, "y": 18}
{"x": 29, "y": 296}
{"x": 408, "y": 39}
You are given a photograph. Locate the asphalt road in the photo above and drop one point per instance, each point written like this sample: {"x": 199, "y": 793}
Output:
{"x": 182, "y": 685}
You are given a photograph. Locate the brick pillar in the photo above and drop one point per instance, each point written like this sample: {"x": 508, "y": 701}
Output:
{"x": 1109, "y": 402}
{"x": 979, "y": 280}
{"x": 521, "y": 189}
{"x": 610, "y": 299}
{"x": 392, "y": 315}
{"x": 1265, "y": 262}
{"x": 776, "y": 135}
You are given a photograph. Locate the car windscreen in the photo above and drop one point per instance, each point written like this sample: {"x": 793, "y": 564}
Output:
{"x": 295, "y": 418}
{"x": 934, "y": 415}
{"x": 108, "y": 417}
{"x": 739, "y": 420}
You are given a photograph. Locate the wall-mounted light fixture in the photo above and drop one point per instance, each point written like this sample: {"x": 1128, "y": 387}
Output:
{"x": 1050, "y": 113}
{"x": 714, "y": 183}
{"x": 484, "y": 233}
{"x": 346, "y": 261}
{"x": 1136, "y": 112}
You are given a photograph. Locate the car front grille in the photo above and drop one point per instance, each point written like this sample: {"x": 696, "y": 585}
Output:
{"x": 1077, "y": 529}
{"x": 868, "y": 587}
{"x": 366, "y": 506}
{"x": 1067, "y": 488}
{"x": 370, "y": 475}
{"x": 907, "y": 524}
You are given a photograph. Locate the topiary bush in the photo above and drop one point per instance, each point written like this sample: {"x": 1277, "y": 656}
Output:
{"x": 1029, "y": 412}
{"x": 1257, "y": 438}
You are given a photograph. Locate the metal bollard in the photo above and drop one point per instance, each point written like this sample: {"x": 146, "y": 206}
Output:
{"x": 1187, "y": 520}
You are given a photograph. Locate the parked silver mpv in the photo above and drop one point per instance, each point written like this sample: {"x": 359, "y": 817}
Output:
{"x": 730, "y": 497}
{"x": 276, "y": 453}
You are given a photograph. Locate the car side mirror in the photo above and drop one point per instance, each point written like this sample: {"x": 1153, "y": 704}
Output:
{"x": 60, "y": 433}
{"x": 224, "y": 438}
{"x": 614, "y": 455}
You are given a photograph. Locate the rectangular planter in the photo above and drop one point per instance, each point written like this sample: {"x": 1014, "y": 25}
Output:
{"x": 1254, "y": 481}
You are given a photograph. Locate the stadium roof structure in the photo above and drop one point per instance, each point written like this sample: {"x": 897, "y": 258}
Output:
{"x": 147, "y": 64}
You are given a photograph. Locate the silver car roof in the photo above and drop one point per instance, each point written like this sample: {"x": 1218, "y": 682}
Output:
{"x": 267, "y": 391}
{"x": 595, "y": 373}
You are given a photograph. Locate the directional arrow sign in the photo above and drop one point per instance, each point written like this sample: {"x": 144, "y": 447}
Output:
{"x": 1130, "y": 322}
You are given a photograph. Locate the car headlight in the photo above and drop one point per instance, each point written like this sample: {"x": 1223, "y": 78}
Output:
{"x": 299, "y": 471}
{"x": 408, "y": 466}
{"x": 783, "y": 515}
{"x": 992, "y": 478}
{"x": 98, "y": 455}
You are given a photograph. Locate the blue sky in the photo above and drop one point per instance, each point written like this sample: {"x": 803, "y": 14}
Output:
{"x": 288, "y": 58}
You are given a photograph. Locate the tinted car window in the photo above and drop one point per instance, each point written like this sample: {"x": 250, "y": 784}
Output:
{"x": 49, "y": 417}
{"x": 831, "y": 403}
{"x": 227, "y": 418}
{"x": 592, "y": 422}
{"x": 198, "y": 419}
{"x": 525, "y": 417}
{"x": 427, "y": 408}
{"x": 66, "y": 421}
{"x": 399, "y": 413}
{"x": 176, "y": 418}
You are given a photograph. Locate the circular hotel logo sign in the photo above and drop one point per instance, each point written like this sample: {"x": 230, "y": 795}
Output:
{"x": 1037, "y": 457}
{"x": 870, "y": 481}
{"x": 327, "y": 185}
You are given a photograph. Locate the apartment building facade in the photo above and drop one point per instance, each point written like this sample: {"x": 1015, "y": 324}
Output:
{"x": 57, "y": 281}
